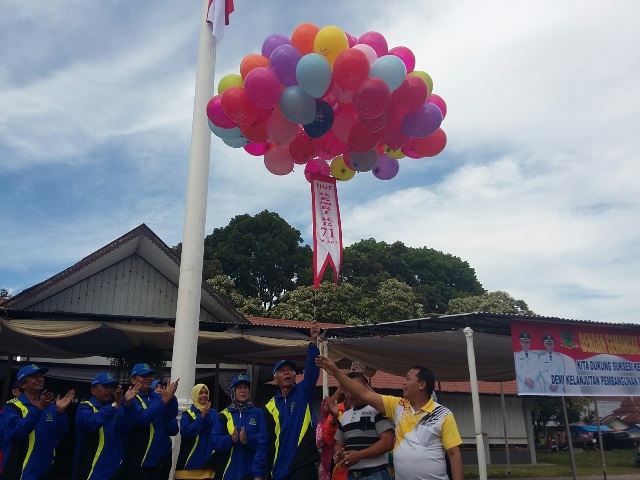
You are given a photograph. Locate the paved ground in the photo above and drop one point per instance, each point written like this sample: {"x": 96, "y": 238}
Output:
{"x": 589, "y": 477}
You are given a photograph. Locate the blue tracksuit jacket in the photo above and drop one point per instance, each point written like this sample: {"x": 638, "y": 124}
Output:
{"x": 30, "y": 438}
{"x": 244, "y": 459}
{"x": 196, "y": 446}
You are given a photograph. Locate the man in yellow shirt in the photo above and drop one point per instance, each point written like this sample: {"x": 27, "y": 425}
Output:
{"x": 425, "y": 430}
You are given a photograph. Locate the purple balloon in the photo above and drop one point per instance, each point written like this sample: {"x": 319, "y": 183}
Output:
{"x": 423, "y": 122}
{"x": 272, "y": 42}
{"x": 283, "y": 61}
{"x": 386, "y": 168}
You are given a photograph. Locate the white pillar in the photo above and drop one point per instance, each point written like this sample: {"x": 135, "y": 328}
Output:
{"x": 185, "y": 341}
{"x": 475, "y": 398}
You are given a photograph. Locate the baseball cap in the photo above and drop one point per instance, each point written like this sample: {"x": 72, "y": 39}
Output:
{"x": 104, "y": 379}
{"x": 155, "y": 383}
{"x": 282, "y": 363}
{"x": 525, "y": 336}
{"x": 141, "y": 369}
{"x": 548, "y": 338}
{"x": 239, "y": 379}
{"x": 29, "y": 370}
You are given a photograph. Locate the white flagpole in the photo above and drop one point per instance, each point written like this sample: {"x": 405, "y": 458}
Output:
{"x": 185, "y": 340}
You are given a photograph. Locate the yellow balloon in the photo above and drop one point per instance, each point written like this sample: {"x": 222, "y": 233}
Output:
{"x": 330, "y": 42}
{"x": 397, "y": 154}
{"x": 427, "y": 79}
{"x": 231, "y": 80}
{"x": 340, "y": 170}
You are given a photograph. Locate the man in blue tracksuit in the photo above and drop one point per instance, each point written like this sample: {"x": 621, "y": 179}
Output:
{"x": 149, "y": 444}
{"x": 290, "y": 419}
{"x": 240, "y": 436}
{"x": 34, "y": 423}
{"x": 102, "y": 425}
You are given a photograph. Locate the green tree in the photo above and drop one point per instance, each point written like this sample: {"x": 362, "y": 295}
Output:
{"x": 393, "y": 300}
{"x": 549, "y": 409}
{"x": 263, "y": 255}
{"x": 225, "y": 287}
{"x": 340, "y": 304}
{"x": 4, "y": 293}
{"x": 497, "y": 302}
{"x": 435, "y": 277}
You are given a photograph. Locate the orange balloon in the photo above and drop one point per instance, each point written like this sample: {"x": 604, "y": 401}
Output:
{"x": 251, "y": 61}
{"x": 303, "y": 37}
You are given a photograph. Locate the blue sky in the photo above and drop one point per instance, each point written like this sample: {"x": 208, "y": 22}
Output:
{"x": 537, "y": 188}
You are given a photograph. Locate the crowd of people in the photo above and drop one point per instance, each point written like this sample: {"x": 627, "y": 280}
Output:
{"x": 124, "y": 433}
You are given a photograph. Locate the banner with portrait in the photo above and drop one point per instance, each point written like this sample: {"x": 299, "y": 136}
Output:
{"x": 575, "y": 359}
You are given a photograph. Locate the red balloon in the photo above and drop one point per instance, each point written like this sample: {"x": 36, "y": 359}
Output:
{"x": 302, "y": 148}
{"x": 237, "y": 106}
{"x": 216, "y": 115}
{"x": 430, "y": 146}
{"x": 392, "y": 135}
{"x": 361, "y": 140}
{"x": 410, "y": 95}
{"x": 408, "y": 150}
{"x": 371, "y": 98}
{"x": 351, "y": 68}
{"x": 329, "y": 146}
{"x": 377, "y": 123}
{"x": 255, "y": 132}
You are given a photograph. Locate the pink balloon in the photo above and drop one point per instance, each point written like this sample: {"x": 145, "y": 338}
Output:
{"x": 301, "y": 148}
{"x": 216, "y": 115}
{"x": 406, "y": 55}
{"x": 368, "y": 51}
{"x": 407, "y": 149}
{"x": 392, "y": 135}
{"x": 279, "y": 129}
{"x": 342, "y": 123}
{"x": 319, "y": 167}
{"x": 352, "y": 39}
{"x": 376, "y": 41}
{"x": 256, "y": 149}
{"x": 386, "y": 168}
{"x": 360, "y": 139}
{"x": 263, "y": 87}
{"x": 375, "y": 124}
{"x": 371, "y": 98}
{"x": 438, "y": 102}
{"x": 329, "y": 146}
{"x": 278, "y": 161}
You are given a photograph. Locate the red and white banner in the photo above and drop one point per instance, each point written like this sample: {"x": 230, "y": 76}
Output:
{"x": 327, "y": 230}
{"x": 218, "y": 15}
{"x": 576, "y": 359}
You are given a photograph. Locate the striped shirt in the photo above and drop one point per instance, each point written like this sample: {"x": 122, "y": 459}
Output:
{"x": 359, "y": 429}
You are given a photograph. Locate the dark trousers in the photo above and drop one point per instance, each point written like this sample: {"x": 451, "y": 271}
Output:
{"x": 306, "y": 472}
{"x": 161, "y": 472}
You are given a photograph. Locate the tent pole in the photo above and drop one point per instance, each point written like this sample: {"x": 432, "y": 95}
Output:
{"x": 604, "y": 465}
{"x": 324, "y": 348}
{"x": 475, "y": 397}
{"x": 504, "y": 428}
{"x": 528, "y": 428}
{"x": 572, "y": 457}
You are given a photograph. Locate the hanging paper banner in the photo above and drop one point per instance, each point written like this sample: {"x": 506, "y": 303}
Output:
{"x": 327, "y": 230}
{"x": 575, "y": 360}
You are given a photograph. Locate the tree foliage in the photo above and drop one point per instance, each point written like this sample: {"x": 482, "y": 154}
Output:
{"x": 262, "y": 254}
{"x": 546, "y": 409}
{"x": 225, "y": 287}
{"x": 4, "y": 293}
{"x": 497, "y": 302}
{"x": 435, "y": 277}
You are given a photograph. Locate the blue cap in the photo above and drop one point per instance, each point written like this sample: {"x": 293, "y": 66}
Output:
{"x": 239, "y": 379}
{"x": 105, "y": 379}
{"x": 29, "y": 370}
{"x": 142, "y": 369}
{"x": 282, "y": 363}
{"x": 155, "y": 383}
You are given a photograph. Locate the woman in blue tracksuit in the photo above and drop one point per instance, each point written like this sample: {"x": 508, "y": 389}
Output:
{"x": 241, "y": 435}
{"x": 195, "y": 459}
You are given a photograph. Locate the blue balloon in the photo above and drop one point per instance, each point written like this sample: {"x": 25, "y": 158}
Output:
{"x": 314, "y": 74}
{"x": 236, "y": 142}
{"x": 390, "y": 69}
{"x": 323, "y": 121}
{"x": 233, "y": 132}
{"x": 297, "y": 106}
{"x": 423, "y": 122}
{"x": 283, "y": 61}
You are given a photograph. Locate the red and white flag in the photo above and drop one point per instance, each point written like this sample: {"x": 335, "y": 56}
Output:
{"x": 327, "y": 230}
{"x": 218, "y": 15}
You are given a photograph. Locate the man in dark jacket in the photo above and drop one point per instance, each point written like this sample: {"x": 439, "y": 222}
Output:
{"x": 289, "y": 418}
{"x": 149, "y": 444}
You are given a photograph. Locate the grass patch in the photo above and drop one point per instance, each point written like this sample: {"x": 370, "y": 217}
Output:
{"x": 618, "y": 462}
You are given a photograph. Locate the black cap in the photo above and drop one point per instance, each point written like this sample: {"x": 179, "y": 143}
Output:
{"x": 524, "y": 336}
{"x": 548, "y": 338}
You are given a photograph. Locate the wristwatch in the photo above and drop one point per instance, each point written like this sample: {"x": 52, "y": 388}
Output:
{"x": 114, "y": 405}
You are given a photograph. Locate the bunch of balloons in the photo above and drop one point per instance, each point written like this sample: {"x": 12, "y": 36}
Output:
{"x": 330, "y": 101}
